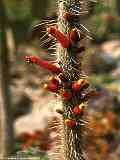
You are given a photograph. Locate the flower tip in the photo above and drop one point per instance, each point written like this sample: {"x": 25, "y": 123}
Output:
{"x": 28, "y": 58}
{"x": 51, "y": 87}
{"x": 51, "y": 30}
{"x": 70, "y": 123}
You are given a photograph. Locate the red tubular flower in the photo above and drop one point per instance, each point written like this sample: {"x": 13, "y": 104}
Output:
{"x": 66, "y": 96}
{"x": 54, "y": 80}
{"x": 51, "y": 87}
{"x": 44, "y": 64}
{"x": 67, "y": 16}
{"x": 77, "y": 110}
{"x": 74, "y": 36}
{"x": 70, "y": 123}
{"x": 77, "y": 85}
{"x": 64, "y": 41}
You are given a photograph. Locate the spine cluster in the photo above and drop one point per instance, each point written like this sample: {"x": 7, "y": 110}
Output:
{"x": 68, "y": 80}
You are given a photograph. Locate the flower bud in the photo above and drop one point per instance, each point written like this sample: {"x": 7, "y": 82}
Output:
{"x": 51, "y": 87}
{"x": 66, "y": 95}
{"x": 70, "y": 123}
{"x": 77, "y": 110}
{"x": 77, "y": 85}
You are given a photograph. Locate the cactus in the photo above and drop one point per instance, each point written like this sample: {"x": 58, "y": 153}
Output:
{"x": 69, "y": 81}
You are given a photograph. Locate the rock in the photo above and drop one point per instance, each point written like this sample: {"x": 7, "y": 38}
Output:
{"x": 111, "y": 49}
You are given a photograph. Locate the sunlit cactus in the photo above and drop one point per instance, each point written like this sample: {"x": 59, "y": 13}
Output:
{"x": 68, "y": 81}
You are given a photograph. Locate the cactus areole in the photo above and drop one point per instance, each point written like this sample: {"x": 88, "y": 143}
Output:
{"x": 72, "y": 86}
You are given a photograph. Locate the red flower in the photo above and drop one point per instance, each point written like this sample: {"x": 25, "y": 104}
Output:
{"x": 63, "y": 39}
{"x": 77, "y": 85}
{"x": 44, "y": 64}
{"x": 70, "y": 123}
{"x": 66, "y": 95}
{"x": 51, "y": 87}
{"x": 77, "y": 110}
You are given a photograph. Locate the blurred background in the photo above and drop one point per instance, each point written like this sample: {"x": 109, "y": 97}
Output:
{"x": 27, "y": 111}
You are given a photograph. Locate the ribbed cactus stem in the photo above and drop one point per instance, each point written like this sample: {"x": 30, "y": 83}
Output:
{"x": 71, "y": 65}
